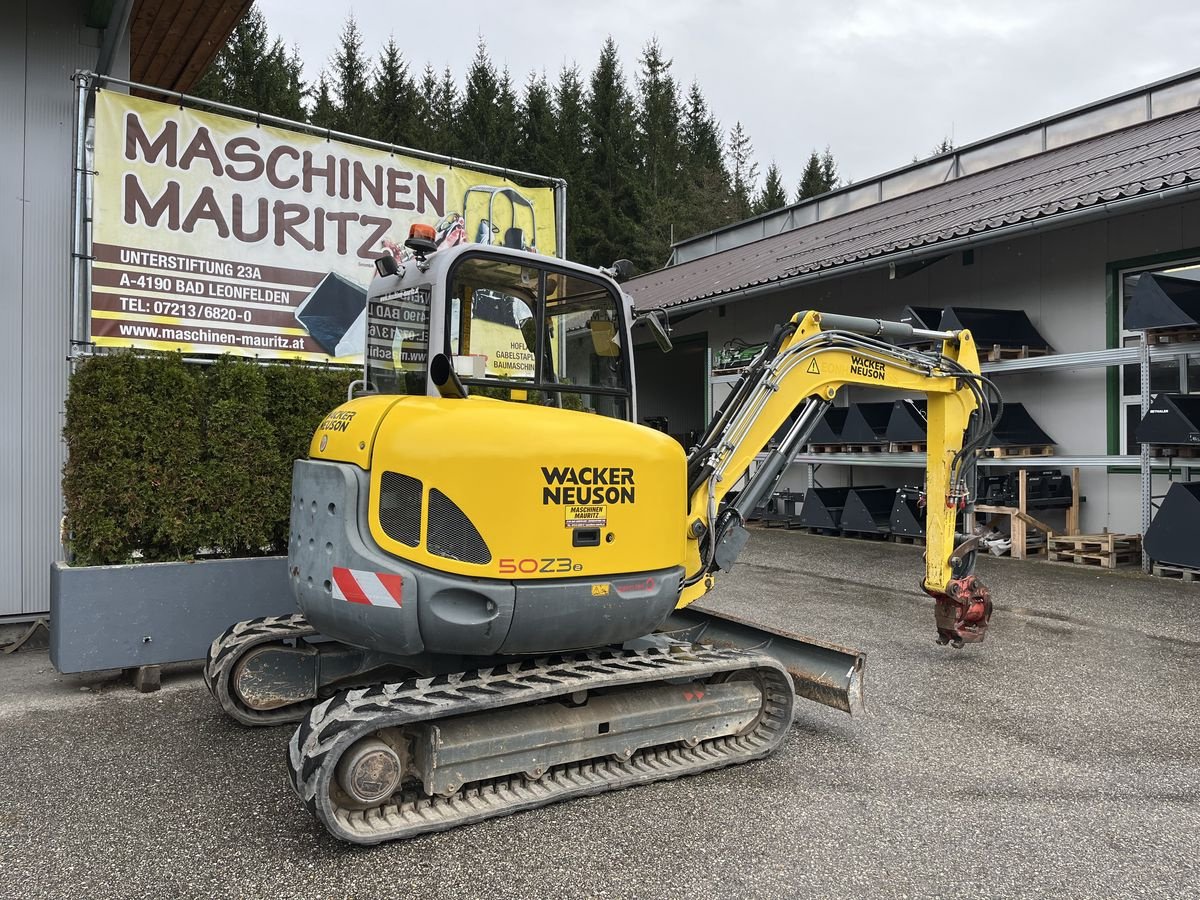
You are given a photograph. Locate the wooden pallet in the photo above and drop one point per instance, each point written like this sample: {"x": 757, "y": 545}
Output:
{"x": 1108, "y": 542}
{"x": 996, "y": 353}
{"x": 1176, "y": 451}
{"x": 1009, "y": 452}
{"x": 911, "y": 539}
{"x": 1105, "y": 551}
{"x": 866, "y": 535}
{"x": 1178, "y": 336}
{"x": 866, "y": 448}
{"x": 824, "y": 532}
{"x": 1182, "y": 573}
{"x": 915, "y": 447}
{"x": 1099, "y": 560}
{"x": 827, "y": 448}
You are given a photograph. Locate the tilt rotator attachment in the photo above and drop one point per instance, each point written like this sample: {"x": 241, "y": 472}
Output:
{"x": 796, "y": 376}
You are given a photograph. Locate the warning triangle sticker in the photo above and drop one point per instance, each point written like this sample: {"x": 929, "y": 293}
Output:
{"x": 813, "y": 369}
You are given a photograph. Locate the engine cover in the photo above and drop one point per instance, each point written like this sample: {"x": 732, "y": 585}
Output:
{"x": 480, "y": 527}
{"x": 493, "y": 489}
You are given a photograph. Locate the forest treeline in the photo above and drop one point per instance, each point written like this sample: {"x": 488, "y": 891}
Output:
{"x": 646, "y": 163}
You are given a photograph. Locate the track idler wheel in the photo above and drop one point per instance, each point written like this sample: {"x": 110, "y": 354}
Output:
{"x": 370, "y": 772}
{"x": 245, "y": 649}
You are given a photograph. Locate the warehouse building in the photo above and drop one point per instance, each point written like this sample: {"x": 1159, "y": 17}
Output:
{"x": 1056, "y": 218}
{"x": 41, "y": 46}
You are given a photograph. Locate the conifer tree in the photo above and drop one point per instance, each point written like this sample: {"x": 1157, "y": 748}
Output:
{"x": 608, "y": 190}
{"x": 443, "y": 117}
{"x": 658, "y": 122}
{"x": 422, "y": 125}
{"x": 478, "y": 122}
{"x": 537, "y": 130}
{"x": 507, "y": 125}
{"x": 773, "y": 195}
{"x": 352, "y": 82}
{"x": 393, "y": 98}
{"x": 829, "y": 172}
{"x": 701, "y": 132}
{"x": 819, "y": 175}
{"x": 705, "y": 191}
{"x": 254, "y": 72}
{"x": 743, "y": 171}
{"x": 570, "y": 139}
{"x": 324, "y": 112}
{"x": 660, "y": 155}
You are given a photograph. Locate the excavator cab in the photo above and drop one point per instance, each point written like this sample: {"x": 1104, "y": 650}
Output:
{"x": 514, "y": 326}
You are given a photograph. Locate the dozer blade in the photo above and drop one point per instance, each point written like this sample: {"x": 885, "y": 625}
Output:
{"x": 822, "y": 672}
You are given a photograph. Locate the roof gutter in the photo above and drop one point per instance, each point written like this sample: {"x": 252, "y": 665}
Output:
{"x": 1100, "y": 211}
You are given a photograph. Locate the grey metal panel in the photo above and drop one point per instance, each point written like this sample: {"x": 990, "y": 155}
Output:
{"x": 118, "y": 617}
{"x": 57, "y": 44}
{"x": 12, "y": 206}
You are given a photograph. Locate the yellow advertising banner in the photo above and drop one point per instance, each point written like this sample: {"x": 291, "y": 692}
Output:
{"x": 217, "y": 235}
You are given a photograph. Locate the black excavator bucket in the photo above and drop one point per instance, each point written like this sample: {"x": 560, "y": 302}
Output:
{"x": 1016, "y": 428}
{"x": 822, "y": 672}
{"x": 1172, "y": 419}
{"x": 868, "y": 510}
{"x": 1163, "y": 301}
{"x": 928, "y": 318}
{"x": 908, "y": 423}
{"x": 829, "y": 429}
{"x": 1008, "y": 328}
{"x": 822, "y": 508}
{"x": 867, "y": 423}
{"x": 908, "y": 515}
{"x": 1171, "y": 537}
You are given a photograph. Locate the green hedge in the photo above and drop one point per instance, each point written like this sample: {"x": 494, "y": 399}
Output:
{"x": 168, "y": 460}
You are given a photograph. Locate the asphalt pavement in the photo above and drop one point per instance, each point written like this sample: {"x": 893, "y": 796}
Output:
{"x": 1061, "y": 757}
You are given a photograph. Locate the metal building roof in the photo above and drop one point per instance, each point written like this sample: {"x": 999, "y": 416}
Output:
{"x": 1145, "y": 159}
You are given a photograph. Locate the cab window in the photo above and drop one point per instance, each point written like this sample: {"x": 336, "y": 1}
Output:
{"x": 536, "y": 335}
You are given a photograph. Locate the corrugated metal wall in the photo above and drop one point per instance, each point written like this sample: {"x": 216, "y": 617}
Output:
{"x": 12, "y": 172}
{"x": 40, "y": 47}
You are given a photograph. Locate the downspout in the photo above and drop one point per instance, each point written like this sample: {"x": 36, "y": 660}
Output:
{"x": 117, "y": 28}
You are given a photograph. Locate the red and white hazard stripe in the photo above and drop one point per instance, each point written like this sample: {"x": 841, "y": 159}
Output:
{"x": 371, "y": 588}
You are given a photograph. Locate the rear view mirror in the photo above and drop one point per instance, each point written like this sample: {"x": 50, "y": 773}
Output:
{"x": 386, "y": 265}
{"x": 656, "y": 319}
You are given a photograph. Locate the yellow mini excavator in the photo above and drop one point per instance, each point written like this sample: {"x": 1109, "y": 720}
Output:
{"x": 494, "y": 564}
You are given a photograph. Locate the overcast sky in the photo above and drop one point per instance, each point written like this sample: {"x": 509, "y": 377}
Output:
{"x": 878, "y": 81}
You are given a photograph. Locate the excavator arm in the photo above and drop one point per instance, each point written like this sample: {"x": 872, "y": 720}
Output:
{"x": 795, "y": 378}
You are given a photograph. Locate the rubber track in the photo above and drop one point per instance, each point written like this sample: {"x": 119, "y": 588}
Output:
{"x": 225, "y": 652}
{"x": 334, "y": 725}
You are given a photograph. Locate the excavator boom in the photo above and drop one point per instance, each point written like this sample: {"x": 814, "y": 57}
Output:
{"x": 795, "y": 378}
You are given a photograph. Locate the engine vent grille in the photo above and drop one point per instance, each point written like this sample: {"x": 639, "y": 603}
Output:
{"x": 400, "y": 508}
{"x": 451, "y": 534}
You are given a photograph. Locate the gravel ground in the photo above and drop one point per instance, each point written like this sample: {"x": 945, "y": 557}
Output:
{"x": 1060, "y": 757}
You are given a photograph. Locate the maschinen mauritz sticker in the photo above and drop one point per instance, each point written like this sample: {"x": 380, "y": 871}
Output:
{"x": 587, "y": 516}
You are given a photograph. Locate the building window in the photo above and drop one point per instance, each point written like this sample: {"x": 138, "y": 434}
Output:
{"x": 1173, "y": 376}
